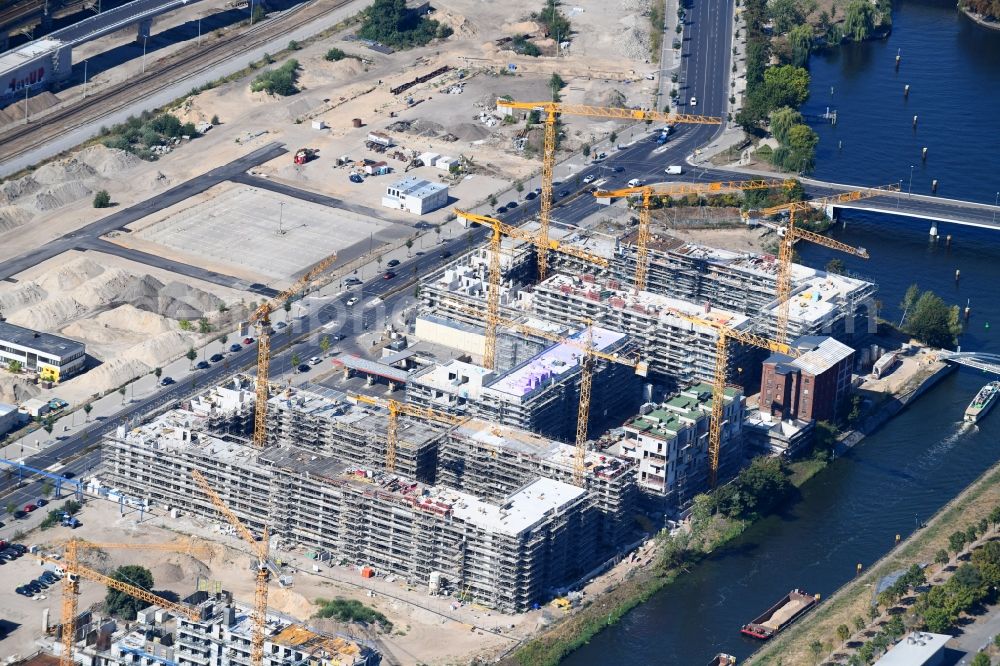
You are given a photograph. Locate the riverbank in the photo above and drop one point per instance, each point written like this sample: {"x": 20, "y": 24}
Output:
{"x": 980, "y": 19}
{"x": 792, "y": 647}
{"x": 610, "y": 605}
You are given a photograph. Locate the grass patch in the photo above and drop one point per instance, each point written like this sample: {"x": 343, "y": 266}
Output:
{"x": 657, "y": 14}
{"x": 143, "y": 134}
{"x": 352, "y": 610}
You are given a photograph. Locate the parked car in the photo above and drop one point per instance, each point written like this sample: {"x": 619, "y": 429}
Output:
{"x": 355, "y": 178}
{"x": 215, "y": 358}
{"x": 203, "y": 365}
{"x": 41, "y": 501}
{"x": 502, "y": 209}
{"x": 315, "y": 360}
{"x": 352, "y": 281}
{"x": 166, "y": 381}
{"x": 248, "y": 341}
{"x": 352, "y": 301}
{"x": 530, "y": 195}
{"x": 423, "y": 225}
{"x": 235, "y": 347}
{"x": 393, "y": 262}
{"x": 512, "y": 205}
{"x": 28, "y": 508}
{"x": 388, "y": 275}
{"x": 589, "y": 179}
{"x": 304, "y": 367}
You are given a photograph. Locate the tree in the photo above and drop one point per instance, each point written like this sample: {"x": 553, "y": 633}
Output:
{"x": 294, "y": 45}
{"x": 586, "y": 150}
{"x": 859, "y": 20}
{"x": 121, "y": 390}
{"x": 785, "y": 15}
{"x": 843, "y": 633}
{"x": 191, "y": 355}
{"x": 800, "y": 40}
{"x": 910, "y": 298}
{"x": 281, "y": 81}
{"x": 782, "y": 120}
{"x": 11, "y": 508}
{"x": 46, "y": 488}
{"x": 121, "y": 604}
{"x": 931, "y": 321}
{"x": 786, "y": 86}
{"x": 859, "y": 623}
{"x": 296, "y": 360}
{"x": 203, "y": 326}
{"x": 223, "y": 339}
{"x": 556, "y": 84}
{"x": 971, "y": 533}
{"x": 941, "y": 557}
{"x": 994, "y": 516}
{"x": 102, "y": 199}
{"x": 215, "y": 119}
{"x": 185, "y": 325}
{"x": 802, "y": 141}
{"x": 981, "y": 659}
{"x": 259, "y": 14}
{"x": 956, "y": 541}
{"x": 157, "y": 372}
{"x": 554, "y": 22}
{"x": 324, "y": 344}
{"x": 835, "y": 266}
{"x": 48, "y": 424}
{"x": 816, "y": 648}
{"x": 14, "y": 367}
{"x": 87, "y": 408}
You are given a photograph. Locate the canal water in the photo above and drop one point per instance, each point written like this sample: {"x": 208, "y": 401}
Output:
{"x": 903, "y": 473}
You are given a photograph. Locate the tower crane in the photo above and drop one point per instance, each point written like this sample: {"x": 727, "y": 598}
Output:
{"x": 258, "y": 548}
{"x": 71, "y": 588}
{"x": 493, "y": 294}
{"x": 673, "y": 189}
{"x": 396, "y": 408}
{"x": 262, "y": 317}
{"x": 792, "y": 234}
{"x": 552, "y": 109}
{"x": 724, "y": 334}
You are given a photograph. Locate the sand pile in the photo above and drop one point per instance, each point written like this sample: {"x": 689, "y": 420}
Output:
{"x": 15, "y": 390}
{"x": 291, "y": 602}
{"x": 63, "y": 194}
{"x": 520, "y": 28}
{"x": 12, "y": 190}
{"x": 12, "y": 217}
{"x": 633, "y": 39}
{"x": 63, "y": 171}
{"x": 160, "y": 349}
{"x": 470, "y": 132}
{"x": 107, "y": 161}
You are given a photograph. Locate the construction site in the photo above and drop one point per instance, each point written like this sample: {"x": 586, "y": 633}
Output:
{"x": 462, "y": 435}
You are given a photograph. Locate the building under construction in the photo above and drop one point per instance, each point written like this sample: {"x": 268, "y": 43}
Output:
{"x": 220, "y": 635}
{"x": 507, "y": 548}
{"x": 542, "y": 393}
{"x": 669, "y": 442}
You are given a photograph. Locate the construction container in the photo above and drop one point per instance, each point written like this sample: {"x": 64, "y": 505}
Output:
{"x": 367, "y": 572}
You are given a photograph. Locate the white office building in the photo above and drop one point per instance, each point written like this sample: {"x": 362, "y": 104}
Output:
{"x": 415, "y": 195}
{"x": 51, "y": 356}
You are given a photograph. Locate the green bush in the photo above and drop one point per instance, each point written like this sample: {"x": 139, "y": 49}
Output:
{"x": 391, "y": 22}
{"x": 279, "y": 81}
{"x": 102, "y": 199}
{"x": 122, "y": 604}
{"x": 352, "y": 610}
{"x": 335, "y": 54}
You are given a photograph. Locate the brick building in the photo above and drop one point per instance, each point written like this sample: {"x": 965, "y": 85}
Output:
{"x": 811, "y": 386}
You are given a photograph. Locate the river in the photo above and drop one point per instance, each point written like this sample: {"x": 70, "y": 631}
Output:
{"x": 903, "y": 473}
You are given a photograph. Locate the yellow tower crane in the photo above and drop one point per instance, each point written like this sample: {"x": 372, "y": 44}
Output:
{"x": 792, "y": 233}
{"x": 673, "y": 189}
{"x": 71, "y": 586}
{"x": 262, "y": 317}
{"x": 724, "y": 334}
{"x": 552, "y": 109}
{"x": 261, "y": 550}
{"x": 396, "y": 408}
{"x": 501, "y": 229}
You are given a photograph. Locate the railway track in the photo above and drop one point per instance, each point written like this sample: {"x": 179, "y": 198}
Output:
{"x": 16, "y": 139}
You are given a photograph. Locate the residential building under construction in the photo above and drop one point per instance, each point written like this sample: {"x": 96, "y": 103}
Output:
{"x": 507, "y": 547}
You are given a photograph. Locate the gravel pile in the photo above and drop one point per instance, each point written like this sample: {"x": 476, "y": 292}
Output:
{"x": 633, "y": 42}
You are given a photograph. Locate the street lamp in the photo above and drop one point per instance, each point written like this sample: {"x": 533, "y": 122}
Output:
{"x": 996, "y": 202}
{"x": 84, "y": 79}
{"x": 144, "y": 40}
{"x": 909, "y": 190}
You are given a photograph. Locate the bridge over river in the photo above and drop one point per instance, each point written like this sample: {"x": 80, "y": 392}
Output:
{"x": 977, "y": 360}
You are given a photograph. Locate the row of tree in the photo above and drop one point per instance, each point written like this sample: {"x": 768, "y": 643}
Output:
{"x": 929, "y": 319}
{"x": 988, "y": 8}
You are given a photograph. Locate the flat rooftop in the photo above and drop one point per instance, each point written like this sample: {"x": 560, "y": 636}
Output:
{"x": 454, "y": 377}
{"x": 816, "y": 297}
{"x": 520, "y": 511}
{"x": 46, "y": 343}
{"x": 680, "y": 410}
{"x": 26, "y": 53}
{"x": 916, "y": 649}
{"x": 558, "y": 360}
{"x": 417, "y": 187}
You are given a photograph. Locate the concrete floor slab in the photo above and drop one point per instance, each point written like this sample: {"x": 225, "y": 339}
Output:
{"x": 272, "y": 234}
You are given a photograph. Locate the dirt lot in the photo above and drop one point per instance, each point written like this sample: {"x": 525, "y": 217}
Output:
{"x": 128, "y": 314}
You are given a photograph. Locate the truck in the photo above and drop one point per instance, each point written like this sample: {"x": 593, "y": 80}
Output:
{"x": 661, "y": 138}
{"x": 69, "y": 521}
{"x": 674, "y": 170}
{"x": 303, "y": 155}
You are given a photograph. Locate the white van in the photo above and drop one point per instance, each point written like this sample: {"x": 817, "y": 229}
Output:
{"x": 635, "y": 182}
{"x": 674, "y": 170}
